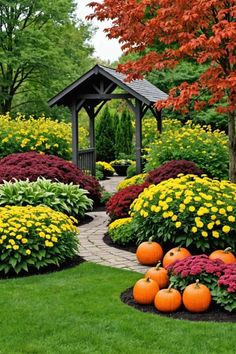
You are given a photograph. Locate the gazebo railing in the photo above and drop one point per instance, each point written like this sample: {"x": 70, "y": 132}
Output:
{"x": 87, "y": 161}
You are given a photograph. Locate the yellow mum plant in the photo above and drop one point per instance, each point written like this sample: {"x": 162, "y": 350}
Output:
{"x": 35, "y": 237}
{"x": 121, "y": 231}
{"x": 42, "y": 135}
{"x": 188, "y": 210}
{"x": 137, "y": 179}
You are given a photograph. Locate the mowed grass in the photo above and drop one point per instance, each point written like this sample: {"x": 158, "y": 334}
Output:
{"x": 78, "y": 310}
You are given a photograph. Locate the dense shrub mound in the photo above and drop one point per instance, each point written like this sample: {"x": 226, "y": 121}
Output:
{"x": 189, "y": 210}
{"x": 35, "y": 237}
{"x": 172, "y": 169}
{"x": 118, "y": 205}
{"x": 31, "y": 165}
{"x": 69, "y": 199}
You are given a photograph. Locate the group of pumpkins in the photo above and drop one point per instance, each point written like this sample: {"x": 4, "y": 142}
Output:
{"x": 155, "y": 288}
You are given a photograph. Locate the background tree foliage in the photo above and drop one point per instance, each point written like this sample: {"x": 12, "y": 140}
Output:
{"x": 43, "y": 47}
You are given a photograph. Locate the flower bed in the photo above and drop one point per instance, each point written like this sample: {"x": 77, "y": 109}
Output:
{"x": 42, "y": 135}
{"x": 120, "y": 231}
{"x": 35, "y": 237}
{"x": 137, "y": 179}
{"x": 31, "y": 165}
{"x": 189, "y": 210}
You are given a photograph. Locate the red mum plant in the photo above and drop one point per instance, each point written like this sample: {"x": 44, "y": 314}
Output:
{"x": 171, "y": 169}
{"x": 31, "y": 165}
{"x": 119, "y": 204}
{"x": 186, "y": 271}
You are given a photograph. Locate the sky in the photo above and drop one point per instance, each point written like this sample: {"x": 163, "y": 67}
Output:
{"x": 106, "y": 49}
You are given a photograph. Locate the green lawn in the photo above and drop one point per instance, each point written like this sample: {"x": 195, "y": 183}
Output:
{"x": 79, "y": 311}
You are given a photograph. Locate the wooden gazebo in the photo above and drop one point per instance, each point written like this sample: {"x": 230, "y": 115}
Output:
{"x": 91, "y": 91}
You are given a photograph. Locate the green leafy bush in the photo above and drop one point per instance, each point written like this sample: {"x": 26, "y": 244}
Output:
{"x": 189, "y": 210}
{"x": 66, "y": 198}
{"x": 207, "y": 149}
{"x": 35, "y": 237}
{"x": 121, "y": 231}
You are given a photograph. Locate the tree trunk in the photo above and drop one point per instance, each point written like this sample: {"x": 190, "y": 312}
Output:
{"x": 232, "y": 146}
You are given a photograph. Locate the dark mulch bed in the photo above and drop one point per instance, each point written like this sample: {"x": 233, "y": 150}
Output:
{"x": 49, "y": 269}
{"x": 86, "y": 219}
{"x": 108, "y": 241}
{"x": 214, "y": 313}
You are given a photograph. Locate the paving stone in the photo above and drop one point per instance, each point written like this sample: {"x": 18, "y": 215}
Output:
{"x": 92, "y": 247}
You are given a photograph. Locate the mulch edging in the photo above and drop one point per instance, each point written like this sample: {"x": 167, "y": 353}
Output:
{"x": 214, "y": 314}
{"x": 108, "y": 241}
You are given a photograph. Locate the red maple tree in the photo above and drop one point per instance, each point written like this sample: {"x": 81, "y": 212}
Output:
{"x": 200, "y": 30}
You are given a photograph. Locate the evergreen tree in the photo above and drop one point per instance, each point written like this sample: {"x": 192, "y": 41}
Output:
{"x": 124, "y": 134}
{"x": 105, "y": 137}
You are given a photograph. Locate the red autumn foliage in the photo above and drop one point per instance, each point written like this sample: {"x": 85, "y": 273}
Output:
{"x": 31, "y": 165}
{"x": 171, "y": 169}
{"x": 118, "y": 205}
{"x": 228, "y": 278}
{"x": 204, "y": 31}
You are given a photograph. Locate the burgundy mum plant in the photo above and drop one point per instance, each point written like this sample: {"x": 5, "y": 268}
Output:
{"x": 171, "y": 169}
{"x": 118, "y": 205}
{"x": 218, "y": 276}
{"x": 31, "y": 165}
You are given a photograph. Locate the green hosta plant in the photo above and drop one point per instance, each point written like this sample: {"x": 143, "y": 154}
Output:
{"x": 35, "y": 237}
{"x": 66, "y": 198}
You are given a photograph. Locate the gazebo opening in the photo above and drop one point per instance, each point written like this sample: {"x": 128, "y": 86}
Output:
{"x": 91, "y": 92}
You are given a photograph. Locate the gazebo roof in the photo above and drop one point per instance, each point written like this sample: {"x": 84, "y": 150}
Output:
{"x": 143, "y": 90}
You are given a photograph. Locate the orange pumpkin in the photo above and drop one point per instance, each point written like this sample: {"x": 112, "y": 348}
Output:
{"x": 159, "y": 274}
{"x": 168, "y": 300}
{"x": 196, "y": 297}
{"x": 175, "y": 254}
{"x": 145, "y": 290}
{"x": 225, "y": 255}
{"x": 149, "y": 252}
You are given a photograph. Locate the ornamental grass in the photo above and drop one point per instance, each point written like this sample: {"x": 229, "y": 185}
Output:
{"x": 35, "y": 237}
{"x": 38, "y": 134}
{"x": 189, "y": 210}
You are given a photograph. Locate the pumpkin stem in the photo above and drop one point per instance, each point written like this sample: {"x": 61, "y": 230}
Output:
{"x": 148, "y": 280}
{"x": 150, "y": 239}
{"x": 197, "y": 284}
{"x": 170, "y": 287}
{"x": 158, "y": 265}
{"x": 179, "y": 248}
{"x": 227, "y": 250}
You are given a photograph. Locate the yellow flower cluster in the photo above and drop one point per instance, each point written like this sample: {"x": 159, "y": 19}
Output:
{"x": 21, "y": 228}
{"x": 41, "y": 135}
{"x": 196, "y": 206}
{"x": 118, "y": 223}
{"x": 207, "y": 148}
{"x": 106, "y": 166}
{"x": 137, "y": 179}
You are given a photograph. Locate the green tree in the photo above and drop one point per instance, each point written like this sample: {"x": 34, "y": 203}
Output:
{"x": 124, "y": 134}
{"x": 42, "y": 48}
{"x": 105, "y": 137}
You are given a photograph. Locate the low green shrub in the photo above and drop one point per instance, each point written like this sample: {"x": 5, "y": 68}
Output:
{"x": 35, "y": 237}
{"x": 66, "y": 198}
{"x": 188, "y": 210}
{"x": 121, "y": 231}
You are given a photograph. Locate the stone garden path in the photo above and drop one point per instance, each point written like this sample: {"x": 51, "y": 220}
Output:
{"x": 92, "y": 247}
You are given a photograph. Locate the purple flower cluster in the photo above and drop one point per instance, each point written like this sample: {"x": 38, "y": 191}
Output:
{"x": 228, "y": 278}
{"x": 196, "y": 265}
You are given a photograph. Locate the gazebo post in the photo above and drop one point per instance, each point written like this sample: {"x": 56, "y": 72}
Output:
{"x": 75, "y": 134}
{"x": 92, "y": 138}
{"x": 138, "y": 135}
{"x": 159, "y": 121}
